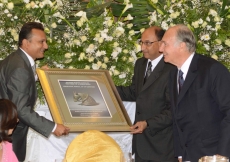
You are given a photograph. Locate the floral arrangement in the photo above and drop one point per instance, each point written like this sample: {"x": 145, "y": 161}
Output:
{"x": 209, "y": 20}
{"x": 102, "y": 42}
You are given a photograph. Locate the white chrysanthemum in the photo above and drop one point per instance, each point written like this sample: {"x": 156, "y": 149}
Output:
{"x": 125, "y": 51}
{"x": 195, "y": 24}
{"x": 137, "y": 47}
{"x": 95, "y": 66}
{"x": 142, "y": 30}
{"x": 28, "y": 6}
{"x": 217, "y": 19}
{"x": 200, "y": 21}
{"x": 77, "y": 42}
{"x": 81, "y": 56}
{"x": 53, "y": 25}
{"x": 99, "y": 63}
{"x": 174, "y": 15}
{"x": 26, "y": 1}
{"x": 41, "y": 4}
{"x": 164, "y": 25}
{"x": 87, "y": 67}
{"x": 15, "y": 17}
{"x": 207, "y": 47}
{"x": 104, "y": 66}
{"x": 68, "y": 61}
{"x": 6, "y": 11}
{"x": 67, "y": 55}
{"x": 115, "y": 44}
{"x": 131, "y": 59}
{"x": 227, "y": 42}
{"x": 124, "y": 58}
{"x": 114, "y": 54}
{"x": 106, "y": 59}
{"x": 212, "y": 12}
{"x": 119, "y": 31}
{"x": 10, "y": 5}
{"x": 33, "y": 4}
{"x": 116, "y": 72}
{"x": 2, "y": 31}
{"x": 9, "y": 15}
{"x": 208, "y": 19}
{"x": 47, "y": 30}
{"x": 70, "y": 67}
{"x": 83, "y": 38}
{"x": 91, "y": 59}
{"x": 205, "y": 37}
{"x": 218, "y": 41}
{"x": 204, "y": 24}
{"x": 90, "y": 49}
{"x": 123, "y": 75}
{"x": 79, "y": 23}
{"x": 129, "y": 25}
{"x": 66, "y": 35}
{"x": 214, "y": 57}
{"x": 98, "y": 53}
{"x": 100, "y": 40}
{"x": 131, "y": 32}
{"x": 153, "y": 17}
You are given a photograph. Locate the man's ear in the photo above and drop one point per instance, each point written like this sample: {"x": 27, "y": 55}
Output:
{"x": 25, "y": 43}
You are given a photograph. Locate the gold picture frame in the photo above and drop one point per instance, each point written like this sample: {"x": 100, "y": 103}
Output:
{"x": 84, "y": 99}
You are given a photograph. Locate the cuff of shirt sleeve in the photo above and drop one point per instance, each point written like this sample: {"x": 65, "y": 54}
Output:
{"x": 55, "y": 126}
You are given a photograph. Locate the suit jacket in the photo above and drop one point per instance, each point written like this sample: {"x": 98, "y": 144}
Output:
{"x": 153, "y": 105}
{"x": 201, "y": 112}
{"x": 17, "y": 83}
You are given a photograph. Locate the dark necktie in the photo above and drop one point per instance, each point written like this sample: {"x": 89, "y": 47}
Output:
{"x": 148, "y": 71}
{"x": 180, "y": 80}
{"x": 34, "y": 69}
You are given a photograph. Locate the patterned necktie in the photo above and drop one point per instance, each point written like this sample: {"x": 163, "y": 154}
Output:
{"x": 148, "y": 71}
{"x": 180, "y": 80}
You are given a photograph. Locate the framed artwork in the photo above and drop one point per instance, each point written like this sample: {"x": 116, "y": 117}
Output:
{"x": 84, "y": 99}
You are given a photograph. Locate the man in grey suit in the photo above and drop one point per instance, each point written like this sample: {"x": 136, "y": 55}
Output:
{"x": 152, "y": 129}
{"x": 17, "y": 83}
{"x": 200, "y": 98}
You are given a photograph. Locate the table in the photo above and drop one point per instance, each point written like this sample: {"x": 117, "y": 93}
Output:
{"x": 41, "y": 149}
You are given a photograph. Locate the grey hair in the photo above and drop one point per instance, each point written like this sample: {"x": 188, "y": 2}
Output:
{"x": 184, "y": 34}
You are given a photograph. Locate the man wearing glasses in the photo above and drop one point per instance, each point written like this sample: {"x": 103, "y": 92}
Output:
{"x": 152, "y": 129}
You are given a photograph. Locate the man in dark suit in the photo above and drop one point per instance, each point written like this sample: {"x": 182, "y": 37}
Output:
{"x": 200, "y": 98}
{"x": 152, "y": 139}
{"x": 17, "y": 83}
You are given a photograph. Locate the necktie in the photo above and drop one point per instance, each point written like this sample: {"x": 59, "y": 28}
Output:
{"x": 148, "y": 71}
{"x": 34, "y": 69}
{"x": 180, "y": 80}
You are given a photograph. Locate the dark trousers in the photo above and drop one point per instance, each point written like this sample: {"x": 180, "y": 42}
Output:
{"x": 138, "y": 159}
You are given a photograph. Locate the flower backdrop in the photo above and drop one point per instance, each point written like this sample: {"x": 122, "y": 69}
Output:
{"x": 82, "y": 41}
{"x": 208, "y": 19}
{"x": 101, "y": 42}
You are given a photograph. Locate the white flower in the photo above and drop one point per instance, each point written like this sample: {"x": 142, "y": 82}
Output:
{"x": 212, "y": 12}
{"x": 205, "y": 37}
{"x": 87, "y": 67}
{"x": 114, "y": 54}
{"x": 164, "y": 25}
{"x": 79, "y": 23}
{"x": 90, "y": 49}
{"x": 54, "y": 25}
{"x": 91, "y": 59}
{"x": 204, "y": 24}
{"x": 142, "y": 30}
{"x": 58, "y": 14}
{"x": 116, "y": 72}
{"x": 129, "y": 25}
{"x": 123, "y": 75}
{"x": 83, "y": 38}
{"x": 119, "y": 31}
{"x": 195, "y": 24}
{"x": 227, "y": 42}
{"x": 100, "y": 40}
{"x": 67, "y": 55}
{"x": 129, "y": 17}
{"x": 131, "y": 59}
{"x": 104, "y": 66}
{"x": 77, "y": 42}
{"x": 68, "y": 61}
{"x": 200, "y": 21}
{"x": 131, "y": 32}
{"x": 218, "y": 41}
{"x": 95, "y": 66}
{"x": 106, "y": 59}
{"x": 207, "y": 47}
{"x": 10, "y": 5}
{"x": 214, "y": 57}
{"x": 125, "y": 51}
{"x": 82, "y": 56}
{"x": 115, "y": 44}
{"x": 6, "y": 11}
{"x": 174, "y": 15}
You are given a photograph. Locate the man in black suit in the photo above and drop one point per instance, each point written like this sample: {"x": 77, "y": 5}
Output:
{"x": 152, "y": 139}
{"x": 17, "y": 83}
{"x": 200, "y": 98}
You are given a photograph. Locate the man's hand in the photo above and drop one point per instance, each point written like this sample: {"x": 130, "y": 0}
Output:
{"x": 180, "y": 159}
{"x": 61, "y": 130}
{"x": 45, "y": 67}
{"x": 139, "y": 127}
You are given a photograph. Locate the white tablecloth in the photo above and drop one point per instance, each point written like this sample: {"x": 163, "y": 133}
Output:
{"x": 41, "y": 149}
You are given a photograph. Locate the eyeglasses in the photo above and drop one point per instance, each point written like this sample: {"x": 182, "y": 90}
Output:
{"x": 147, "y": 43}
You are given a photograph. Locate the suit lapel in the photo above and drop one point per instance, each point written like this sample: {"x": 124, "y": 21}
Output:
{"x": 192, "y": 73}
{"x": 24, "y": 57}
{"x": 155, "y": 74}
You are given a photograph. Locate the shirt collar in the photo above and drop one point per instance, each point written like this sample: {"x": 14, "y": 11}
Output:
{"x": 29, "y": 57}
{"x": 184, "y": 68}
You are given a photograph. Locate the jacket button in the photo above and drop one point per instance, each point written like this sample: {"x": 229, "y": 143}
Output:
{"x": 138, "y": 113}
